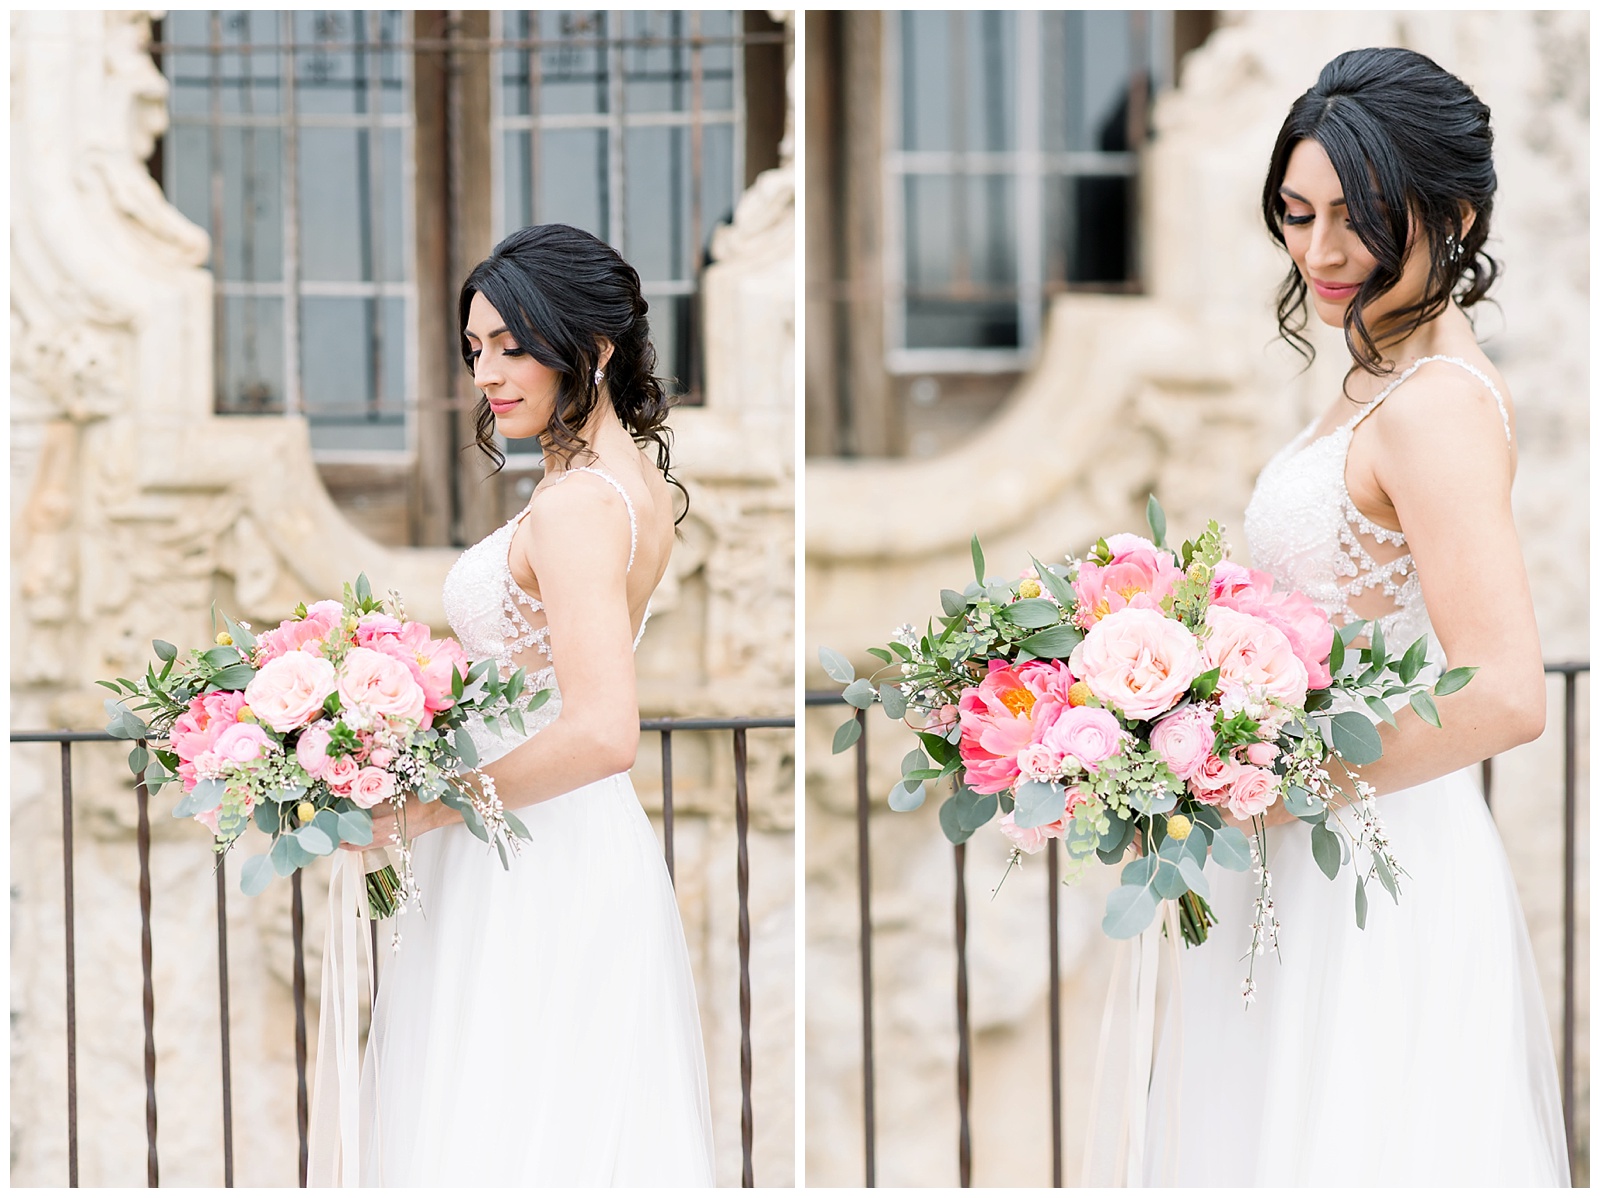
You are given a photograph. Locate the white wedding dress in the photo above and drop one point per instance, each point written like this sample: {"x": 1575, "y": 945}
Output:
{"x": 538, "y": 1026}
{"x": 1416, "y": 1052}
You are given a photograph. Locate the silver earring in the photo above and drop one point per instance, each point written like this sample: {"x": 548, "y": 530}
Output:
{"x": 1453, "y": 247}
{"x": 599, "y": 376}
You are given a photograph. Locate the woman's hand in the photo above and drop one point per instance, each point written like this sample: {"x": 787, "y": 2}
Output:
{"x": 1271, "y": 818}
{"x": 420, "y": 817}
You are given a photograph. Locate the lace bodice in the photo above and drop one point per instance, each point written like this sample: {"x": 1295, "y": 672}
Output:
{"x": 495, "y": 618}
{"x": 1305, "y": 530}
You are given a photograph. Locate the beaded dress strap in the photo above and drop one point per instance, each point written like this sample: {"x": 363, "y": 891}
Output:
{"x": 633, "y": 519}
{"x": 1505, "y": 420}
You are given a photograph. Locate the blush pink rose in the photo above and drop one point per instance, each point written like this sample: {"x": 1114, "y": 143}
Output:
{"x": 1183, "y": 740}
{"x": 1091, "y": 734}
{"x": 1211, "y": 781}
{"x": 242, "y": 743}
{"x": 382, "y": 758}
{"x": 289, "y": 691}
{"x": 1306, "y": 625}
{"x": 196, "y": 731}
{"x": 1261, "y": 753}
{"x": 371, "y": 786}
{"x": 1139, "y": 578}
{"x": 1138, "y": 661}
{"x": 1038, "y": 762}
{"x": 1251, "y": 792}
{"x": 381, "y": 684}
{"x": 307, "y": 634}
{"x": 341, "y": 774}
{"x": 312, "y": 749}
{"x": 1253, "y": 657}
{"x": 1000, "y": 715}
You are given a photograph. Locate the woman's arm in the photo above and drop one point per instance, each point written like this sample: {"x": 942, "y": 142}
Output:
{"x": 576, "y": 538}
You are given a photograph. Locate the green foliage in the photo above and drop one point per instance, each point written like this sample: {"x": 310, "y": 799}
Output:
{"x": 1158, "y": 522}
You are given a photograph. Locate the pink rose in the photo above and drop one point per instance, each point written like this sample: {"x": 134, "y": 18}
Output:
{"x": 196, "y": 731}
{"x": 1138, "y": 661}
{"x": 307, "y": 634}
{"x": 1183, "y": 740}
{"x": 1210, "y": 782}
{"x": 944, "y": 719}
{"x": 1253, "y": 657}
{"x": 371, "y": 786}
{"x": 381, "y": 684}
{"x": 312, "y": 749}
{"x": 1091, "y": 734}
{"x": 1306, "y": 625}
{"x": 1261, "y": 753}
{"x": 382, "y": 758}
{"x": 1252, "y": 792}
{"x": 1140, "y": 578}
{"x": 999, "y": 716}
{"x": 1037, "y": 762}
{"x": 242, "y": 743}
{"x": 341, "y": 774}
{"x": 289, "y": 691}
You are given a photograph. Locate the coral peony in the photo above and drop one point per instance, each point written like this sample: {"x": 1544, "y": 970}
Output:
{"x": 1000, "y": 715}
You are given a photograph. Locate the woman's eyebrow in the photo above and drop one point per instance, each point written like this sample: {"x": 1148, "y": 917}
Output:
{"x": 490, "y": 336}
{"x": 1287, "y": 194}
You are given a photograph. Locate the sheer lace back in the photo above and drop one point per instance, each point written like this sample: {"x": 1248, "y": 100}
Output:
{"x": 493, "y": 617}
{"x": 1306, "y": 531}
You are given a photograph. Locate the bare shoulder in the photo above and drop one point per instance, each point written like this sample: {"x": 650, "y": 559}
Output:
{"x": 580, "y": 504}
{"x": 1445, "y": 409}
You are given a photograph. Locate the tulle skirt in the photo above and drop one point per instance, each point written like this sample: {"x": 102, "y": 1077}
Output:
{"x": 538, "y": 1026}
{"x": 1416, "y": 1052}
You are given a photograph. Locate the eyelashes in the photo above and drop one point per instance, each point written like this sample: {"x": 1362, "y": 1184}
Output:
{"x": 1296, "y": 220}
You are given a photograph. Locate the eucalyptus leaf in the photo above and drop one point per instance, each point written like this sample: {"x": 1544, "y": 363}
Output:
{"x": 950, "y": 822}
{"x": 1055, "y": 584}
{"x": 1209, "y": 817}
{"x": 1129, "y": 911}
{"x": 882, "y": 655}
{"x": 234, "y": 678}
{"x": 1453, "y": 680}
{"x": 1361, "y": 903}
{"x": 314, "y": 840}
{"x": 914, "y": 760}
{"x": 1230, "y": 849}
{"x": 139, "y": 760}
{"x": 836, "y": 665}
{"x": 1386, "y": 876}
{"x": 1415, "y": 658}
{"x": 1159, "y": 803}
{"x": 1169, "y": 883}
{"x": 1422, "y": 703}
{"x": 1300, "y": 803}
{"x": 846, "y": 734}
{"x": 1336, "y": 656}
{"x": 1032, "y": 613}
{"x": 124, "y": 724}
{"x": 1381, "y": 709}
{"x": 1140, "y": 870}
{"x": 206, "y": 796}
{"x": 1355, "y": 739}
{"x": 165, "y": 650}
{"x": 363, "y": 587}
{"x": 893, "y": 700}
{"x": 255, "y": 875}
{"x": 283, "y": 856}
{"x": 860, "y": 693}
{"x": 1114, "y": 842}
{"x": 465, "y": 748}
{"x": 972, "y": 809}
{"x": 903, "y": 799}
{"x": 518, "y": 828}
{"x": 1325, "y": 849}
{"x": 355, "y": 826}
{"x": 1054, "y": 643}
{"x": 1039, "y": 803}
{"x": 266, "y": 818}
{"x": 1158, "y": 522}
{"x": 220, "y": 656}
{"x": 953, "y": 602}
{"x": 1194, "y": 877}
{"x": 977, "y": 559}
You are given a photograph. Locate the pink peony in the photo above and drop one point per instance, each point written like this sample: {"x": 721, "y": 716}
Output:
{"x": 1124, "y": 545}
{"x": 1183, "y": 740}
{"x": 999, "y": 716}
{"x": 1251, "y": 792}
{"x": 1138, "y": 662}
{"x": 307, "y": 635}
{"x": 341, "y": 774}
{"x": 1210, "y": 782}
{"x": 381, "y": 684}
{"x": 242, "y": 743}
{"x": 371, "y": 786}
{"x": 1253, "y": 657}
{"x": 196, "y": 730}
{"x": 1140, "y": 578}
{"x": 289, "y": 691}
{"x": 375, "y": 624}
{"x": 1091, "y": 734}
{"x": 1306, "y": 625}
{"x": 1037, "y": 762}
{"x": 436, "y": 665}
{"x": 1261, "y": 753}
{"x": 312, "y": 749}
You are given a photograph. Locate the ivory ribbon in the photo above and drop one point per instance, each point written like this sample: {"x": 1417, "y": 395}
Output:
{"x": 1128, "y": 1035}
{"x": 335, "y": 1133}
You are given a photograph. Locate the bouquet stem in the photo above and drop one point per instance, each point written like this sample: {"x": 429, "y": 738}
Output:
{"x": 383, "y": 884}
{"x": 1194, "y": 917}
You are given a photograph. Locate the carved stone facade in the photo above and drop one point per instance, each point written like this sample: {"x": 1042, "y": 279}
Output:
{"x": 1183, "y": 392}
{"x": 135, "y": 509}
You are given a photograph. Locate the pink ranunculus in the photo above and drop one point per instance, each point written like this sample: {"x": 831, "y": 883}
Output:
{"x": 1307, "y": 626}
{"x": 1138, "y": 578}
{"x": 437, "y": 664}
{"x": 381, "y": 684}
{"x": 1253, "y": 656}
{"x": 371, "y": 786}
{"x": 1000, "y": 716}
{"x": 341, "y": 774}
{"x": 1031, "y": 840}
{"x": 242, "y": 743}
{"x": 1251, "y": 792}
{"x": 1261, "y": 753}
{"x": 1211, "y": 781}
{"x": 196, "y": 730}
{"x": 1038, "y": 762}
{"x": 1183, "y": 739}
{"x": 373, "y": 625}
{"x": 289, "y": 691}
{"x": 1138, "y": 661}
{"x": 307, "y": 635}
{"x": 1124, "y": 545}
{"x": 312, "y": 749}
{"x": 1091, "y": 734}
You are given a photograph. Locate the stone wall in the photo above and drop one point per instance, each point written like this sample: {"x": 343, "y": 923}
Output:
{"x": 1181, "y": 391}
{"x": 135, "y": 509}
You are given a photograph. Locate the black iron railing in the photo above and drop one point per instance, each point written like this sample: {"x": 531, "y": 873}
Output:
{"x": 1567, "y": 671}
{"x": 739, "y": 726}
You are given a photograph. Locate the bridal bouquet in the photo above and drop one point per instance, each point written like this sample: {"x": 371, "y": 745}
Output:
{"x": 1152, "y": 700}
{"x": 305, "y": 728}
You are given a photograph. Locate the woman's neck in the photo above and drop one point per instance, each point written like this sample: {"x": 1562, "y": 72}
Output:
{"x": 601, "y": 434}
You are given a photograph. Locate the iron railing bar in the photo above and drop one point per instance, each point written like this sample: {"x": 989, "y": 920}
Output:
{"x": 666, "y": 805}
{"x": 227, "y": 1052}
{"x": 152, "y": 1164}
{"x": 476, "y": 44}
{"x": 72, "y": 967}
{"x": 714, "y": 724}
{"x": 1052, "y": 867}
{"x": 741, "y": 811}
{"x": 963, "y": 1030}
{"x": 1569, "y": 920}
{"x": 864, "y": 892}
{"x": 297, "y": 924}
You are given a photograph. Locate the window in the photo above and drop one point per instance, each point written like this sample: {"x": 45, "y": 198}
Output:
{"x": 1009, "y": 173}
{"x": 289, "y": 144}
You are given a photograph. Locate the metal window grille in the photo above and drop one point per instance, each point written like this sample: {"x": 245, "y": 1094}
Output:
{"x": 630, "y": 125}
{"x": 1009, "y": 174}
{"x": 291, "y": 144}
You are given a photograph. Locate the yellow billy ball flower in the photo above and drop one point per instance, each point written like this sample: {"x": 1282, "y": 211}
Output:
{"x": 1029, "y": 589}
{"x": 224, "y": 639}
{"x": 1179, "y": 827}
{"x": 307, "y": 812}
{"x": 246, "y": 716}
{"x": 1078, "y": 694}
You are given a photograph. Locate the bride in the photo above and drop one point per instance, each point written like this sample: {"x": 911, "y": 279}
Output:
{"x": 538, "y": 1025}
{"x": 1415, "y": 1052}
